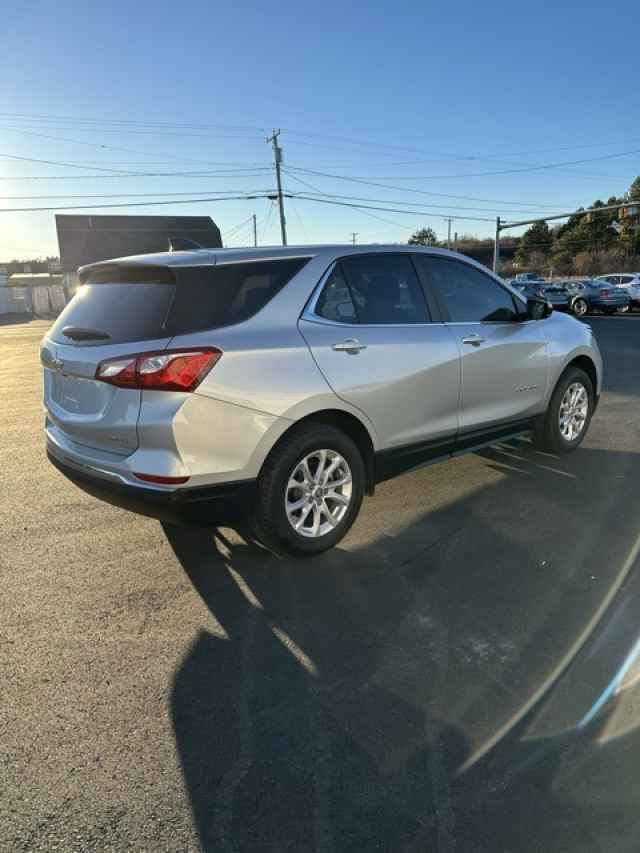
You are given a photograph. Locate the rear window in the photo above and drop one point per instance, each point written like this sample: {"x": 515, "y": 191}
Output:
{"x": 180, "y": 301}
{"x": 124, "y": 312}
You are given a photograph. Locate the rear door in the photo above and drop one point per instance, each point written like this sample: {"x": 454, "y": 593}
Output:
{"x": 118, "y": 314}
{"x": 371, "y": 334}
{"x": 504, "y": 360}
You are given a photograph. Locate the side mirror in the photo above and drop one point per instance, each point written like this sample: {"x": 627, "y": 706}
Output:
{"x": 538, "y": 309}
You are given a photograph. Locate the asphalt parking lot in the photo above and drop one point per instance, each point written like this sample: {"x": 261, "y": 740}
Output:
{"x": 166, "y": 689}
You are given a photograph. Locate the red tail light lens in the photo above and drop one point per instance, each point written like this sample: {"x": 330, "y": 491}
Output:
{"x": 604, "y": 293}
{"x": 167, "y": 370}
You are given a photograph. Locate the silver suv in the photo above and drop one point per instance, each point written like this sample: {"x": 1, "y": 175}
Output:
{"x": 286, "y": 383}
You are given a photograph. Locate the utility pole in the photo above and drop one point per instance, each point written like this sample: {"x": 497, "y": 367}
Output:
{"x": 354, "y": 234}
{"x": 496, "y": 246}
{"x": 277, "y": 158}
{"x": 449, "y": 221}
{"x": 455, "y": 242}
{"x": 255, "y": 230}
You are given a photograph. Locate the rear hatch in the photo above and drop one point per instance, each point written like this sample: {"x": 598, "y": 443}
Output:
{"x": 124, "y": 310}
{"x": 118, "y": 311}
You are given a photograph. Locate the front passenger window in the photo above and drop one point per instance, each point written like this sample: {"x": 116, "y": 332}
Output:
{"x": 468, "y": 295}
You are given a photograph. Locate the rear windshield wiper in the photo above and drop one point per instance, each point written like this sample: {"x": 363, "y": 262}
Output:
{"x": 76, "y": 333}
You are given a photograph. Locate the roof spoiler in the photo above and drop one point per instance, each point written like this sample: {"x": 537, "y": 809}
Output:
{"x": 183, "y": 244}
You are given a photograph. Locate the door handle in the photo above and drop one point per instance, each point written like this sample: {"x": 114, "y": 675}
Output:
{"x": 351, "y": 346}
{"x": 474, "y": 339}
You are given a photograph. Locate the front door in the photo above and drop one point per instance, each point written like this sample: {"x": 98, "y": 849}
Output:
{"x": 504, "y": 358}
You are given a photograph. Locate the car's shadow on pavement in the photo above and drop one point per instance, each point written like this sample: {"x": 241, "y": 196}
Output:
{"x": 348, "y": 702}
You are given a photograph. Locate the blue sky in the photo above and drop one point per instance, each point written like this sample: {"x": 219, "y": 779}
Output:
{"x": 415, "y": 95}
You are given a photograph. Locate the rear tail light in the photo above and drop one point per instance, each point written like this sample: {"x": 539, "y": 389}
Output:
{"x": 167, "y": 370}
{"x": 604, "y": 293}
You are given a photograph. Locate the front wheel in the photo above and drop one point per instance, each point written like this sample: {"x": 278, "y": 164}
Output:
{"x": 623, "y": 309}
{"x": 564, "y": 425}
{"x": 309, "y": 490}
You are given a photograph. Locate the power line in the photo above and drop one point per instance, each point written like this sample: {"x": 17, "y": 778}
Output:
{"x": 387, "y": 209}
{"x": 203, "y": 173}
{"x": 132, "y": 122}
{"x": 410, "y": 189}
{"x": 267, "y": 221}
{"x": 129, "y": 195}
{"x": 118, "y": 172}
{"x": 121, "y": 125}
{"x": 299, "y": 218}
{"x": 110, "y": 147}
{"x": 129, "y": 204}
{"x": 237, "y": 228}
{"x": 406, "y": 203}
{"x": 529, "y": 168}
{"x": 366, "y": 213}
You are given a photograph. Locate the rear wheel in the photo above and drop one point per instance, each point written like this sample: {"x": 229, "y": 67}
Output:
{"x": 580, "y": 307}
{"x": 565, "y": 423}
{"x": 310, "y": 490}
{"x": 623, "y": 309}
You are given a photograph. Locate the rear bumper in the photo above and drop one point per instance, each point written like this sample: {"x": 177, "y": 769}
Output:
{"x": 205, "y": 506}
{"x": 613, "y": 303}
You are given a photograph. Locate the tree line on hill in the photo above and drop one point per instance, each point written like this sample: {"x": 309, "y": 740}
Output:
{"x": 34, "y": 265}
{"x": 588, "y": 244}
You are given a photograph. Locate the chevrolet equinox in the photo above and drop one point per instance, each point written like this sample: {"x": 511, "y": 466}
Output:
{"x": 285, "y": 383}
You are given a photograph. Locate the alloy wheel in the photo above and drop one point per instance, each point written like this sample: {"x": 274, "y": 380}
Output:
{"x": 318, "y": 493}
{"x": 574, "y": 409}
{"x": 580, "y": 307}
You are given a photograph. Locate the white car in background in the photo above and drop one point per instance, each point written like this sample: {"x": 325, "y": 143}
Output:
{"x": 630, "y": 281}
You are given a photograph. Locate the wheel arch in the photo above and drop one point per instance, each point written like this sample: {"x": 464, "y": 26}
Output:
{"x": 589, "y": 367}
{"x": 583, "y": 361}
{"x": 347, "y": 423}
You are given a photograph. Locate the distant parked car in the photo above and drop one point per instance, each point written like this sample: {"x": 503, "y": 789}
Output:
{"x": 556, "y": 294}
{"x": 621, "y": 279}
{"x": 630, "y": 281}
{"x": 528, "y": 277}
{"x": 588, "y": 294}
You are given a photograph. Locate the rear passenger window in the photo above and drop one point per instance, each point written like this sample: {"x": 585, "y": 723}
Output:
{"x": 212, "y": 296}
{"x": 385, "y": 290}
{"x": 335, "y": 302}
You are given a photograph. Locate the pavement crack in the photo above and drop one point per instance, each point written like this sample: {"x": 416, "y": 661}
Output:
{"x": 430, "y": 545}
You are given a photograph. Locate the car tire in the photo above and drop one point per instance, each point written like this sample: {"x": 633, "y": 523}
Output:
{"x": 623, "y": 309}
{"x": 580, "y": 307}
{"x": 322, "y": 501}
{"x": 554, "y": 432}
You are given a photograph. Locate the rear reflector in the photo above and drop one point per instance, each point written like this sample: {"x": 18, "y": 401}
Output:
{"x": 166, "y": 370}
{"x": 162, "y": 481}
